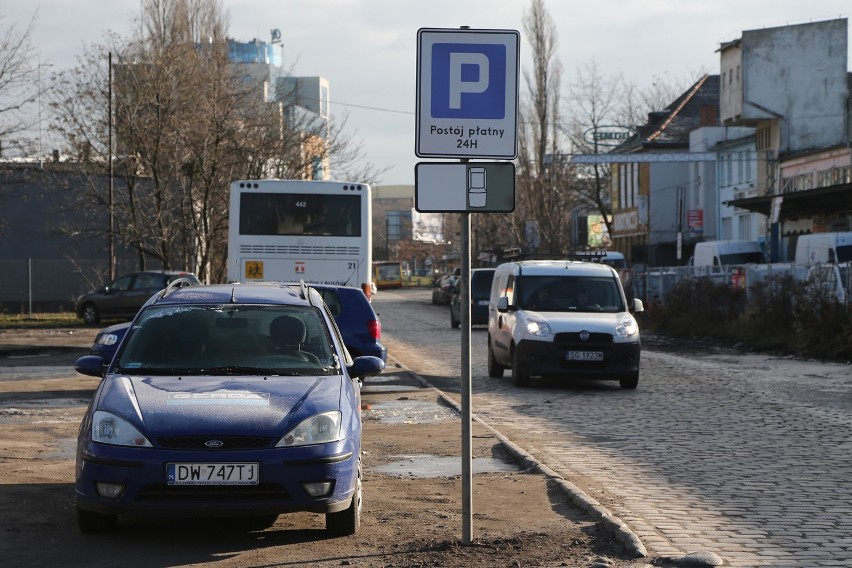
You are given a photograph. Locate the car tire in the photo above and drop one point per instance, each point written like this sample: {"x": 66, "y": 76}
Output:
{"x": 495, "y": 369}
{"x": 629, "y": 382}
{"x": 519, "y": 374}
{"x": 347, "y": 522}
{"x": 91, "y": 522}
{"x": 91, "y": 314}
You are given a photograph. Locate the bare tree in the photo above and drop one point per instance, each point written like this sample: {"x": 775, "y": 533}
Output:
{"x": 599, "y": 101}
{"x": 595, "y": 104}
{"x": 19, "y": 86}
{"x": 544, "y": 195}
{"x": 186, "y": 124}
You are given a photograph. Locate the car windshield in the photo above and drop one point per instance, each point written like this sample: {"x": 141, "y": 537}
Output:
{"x": 570, "y": 294}
{"x": 228, "y": 340}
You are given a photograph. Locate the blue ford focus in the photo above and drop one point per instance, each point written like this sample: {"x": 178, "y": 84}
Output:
{"x": 231, "y": 400}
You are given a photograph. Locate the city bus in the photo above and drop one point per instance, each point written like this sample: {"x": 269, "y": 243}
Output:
{"x": 387, "y": 274}
{"x": 287, "y": 230}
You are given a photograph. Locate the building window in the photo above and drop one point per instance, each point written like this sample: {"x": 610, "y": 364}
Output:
{"x": 740, "y": 167}
{"x": 749, "y": 176}
{"x": 744, "y": 223}
{"x": 727, "y": 229}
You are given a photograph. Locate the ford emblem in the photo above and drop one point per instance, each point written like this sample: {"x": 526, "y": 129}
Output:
{"x": 214, "y": 443}
{"x": 584, "y": 335}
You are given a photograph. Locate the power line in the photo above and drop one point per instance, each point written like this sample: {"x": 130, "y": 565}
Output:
{"x": 380, "y": 109}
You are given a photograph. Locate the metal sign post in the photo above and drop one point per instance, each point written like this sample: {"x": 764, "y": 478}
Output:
{"x": 467, "y": 107}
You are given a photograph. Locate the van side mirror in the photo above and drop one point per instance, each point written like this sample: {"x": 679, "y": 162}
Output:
{"x": 503, "y": 304}
{"x": 638, "y": 306}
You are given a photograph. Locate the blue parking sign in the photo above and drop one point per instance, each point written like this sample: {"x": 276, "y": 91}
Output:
{"x": 468, "y": 81}
{"x": 467, "y": 93}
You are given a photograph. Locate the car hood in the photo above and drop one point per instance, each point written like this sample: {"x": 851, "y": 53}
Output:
{"x": 163, "y": 406}
{"x": 595, "y": 322}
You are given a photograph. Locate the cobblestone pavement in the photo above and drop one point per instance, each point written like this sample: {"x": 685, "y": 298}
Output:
{"x": 745, "y": 456}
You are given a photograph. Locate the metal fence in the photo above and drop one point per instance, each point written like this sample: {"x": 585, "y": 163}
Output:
{"x": 28, "y": 286}
{"x": 653, "y": 284}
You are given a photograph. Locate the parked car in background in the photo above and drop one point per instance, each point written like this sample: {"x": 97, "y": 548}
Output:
{"x": 352, "y": 311}
{"x": 480, "y": 291}
{"x": 442, "y": 289}
{"x": 107, "y": 340}
{"x": 235, "y": 400}
{"x": 122, "y": 298}
{"x": 358, "y": 322}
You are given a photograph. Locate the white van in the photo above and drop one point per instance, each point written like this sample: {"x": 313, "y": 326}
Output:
{"x": 726, "y": 253}
{"x": 820, "y": 248}
{"x": 540, "y": 323}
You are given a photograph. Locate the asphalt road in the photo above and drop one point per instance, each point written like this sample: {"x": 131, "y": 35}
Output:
{"x": 747, "y": 457}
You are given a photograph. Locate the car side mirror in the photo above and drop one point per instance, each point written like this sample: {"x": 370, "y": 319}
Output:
{"x": 503, "y": 304}
{"x": 366, "y": 366}
{"x": 638, "y": 306}
{"x": 92, "y": 365}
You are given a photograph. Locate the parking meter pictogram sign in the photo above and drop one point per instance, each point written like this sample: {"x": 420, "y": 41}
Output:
{"x": 467, "y": 93}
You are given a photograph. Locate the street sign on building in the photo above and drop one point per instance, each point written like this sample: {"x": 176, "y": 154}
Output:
{"x": 467, "y": 93}
{"x": 441, "y": 187}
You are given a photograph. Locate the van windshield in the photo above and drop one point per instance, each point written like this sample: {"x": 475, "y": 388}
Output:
{"x": 570, "y": 294}
{"x": 844, "y": 253}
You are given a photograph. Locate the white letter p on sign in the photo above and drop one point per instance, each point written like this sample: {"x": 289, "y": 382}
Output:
{"x": 459, "y": 86}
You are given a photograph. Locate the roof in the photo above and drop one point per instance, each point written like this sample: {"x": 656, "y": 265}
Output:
{"x": 261, "y": 293}
{"x": 801, "y": 204}
{"x": 698, "y": 106}
{"x": 563, "y": 267}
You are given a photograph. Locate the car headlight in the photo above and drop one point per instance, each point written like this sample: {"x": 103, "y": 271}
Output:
{"x": 536, "y": 326}
{"x": 318, "y": 429}
{"x": 626, "y": 327}
{"x": 106, "y": 339}
{"x": 108, "y": 428}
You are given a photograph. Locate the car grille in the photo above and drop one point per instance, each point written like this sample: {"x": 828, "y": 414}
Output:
{"x": 600, "y": 341}
{"x": 200, "y": 493}
{"x": 228, "y": 443}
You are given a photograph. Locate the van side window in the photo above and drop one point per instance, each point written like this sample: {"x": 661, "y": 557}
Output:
{"x": 509, "y": 291}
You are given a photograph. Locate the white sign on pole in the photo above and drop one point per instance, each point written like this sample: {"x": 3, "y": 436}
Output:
{"x": 467, "y": 93}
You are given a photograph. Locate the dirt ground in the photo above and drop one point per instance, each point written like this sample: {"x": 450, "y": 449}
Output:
{"x": 412, "y": 518}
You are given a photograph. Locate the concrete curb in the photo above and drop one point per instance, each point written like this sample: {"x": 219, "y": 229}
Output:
{"x": 615, "y": 526}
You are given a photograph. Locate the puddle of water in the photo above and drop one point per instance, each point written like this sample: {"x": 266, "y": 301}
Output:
{"x": 406, "y": 411}
{"x": 438, "y": 466}
{"x": 381, "y": 378}
{"x": 66, "y": 450}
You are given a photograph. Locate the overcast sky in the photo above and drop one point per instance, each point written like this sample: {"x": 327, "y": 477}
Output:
{"x": 367, "y": 49}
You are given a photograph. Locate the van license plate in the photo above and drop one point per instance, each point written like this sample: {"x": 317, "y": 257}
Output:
{"x": 585, "y": 355}
{"x": 212, "y": 473}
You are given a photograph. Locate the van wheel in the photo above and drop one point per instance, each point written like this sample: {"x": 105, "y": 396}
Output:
{"x": 629, "y": 382}
{"x": 519, "y": 374}
{"x": 495, "y": 369}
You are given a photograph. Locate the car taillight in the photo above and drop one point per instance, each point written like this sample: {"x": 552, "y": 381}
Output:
{"x": 375, "y": 327}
